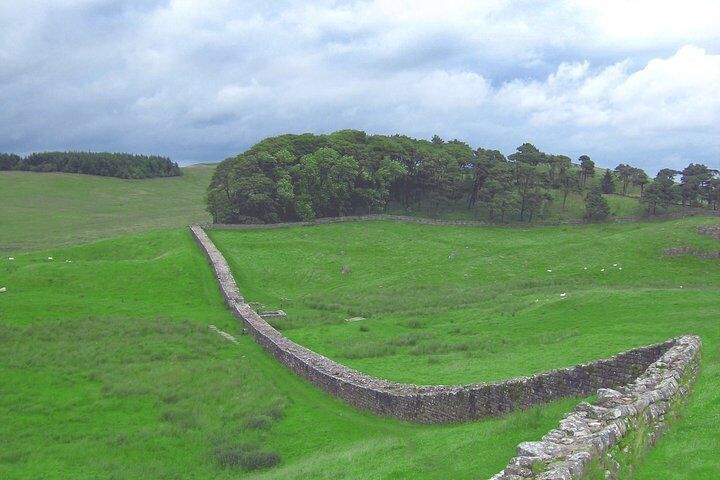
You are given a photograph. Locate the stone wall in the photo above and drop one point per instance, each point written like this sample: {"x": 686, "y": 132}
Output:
{"x": 435, "y": 221}
{"x": 428, "y": 404}
{"x": 601, "y": 440}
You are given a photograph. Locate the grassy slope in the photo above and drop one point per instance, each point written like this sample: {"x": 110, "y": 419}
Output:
{"x": 494, "y": 311}
{"x": 42, "y": 210}
{"x": 108, "y": 370}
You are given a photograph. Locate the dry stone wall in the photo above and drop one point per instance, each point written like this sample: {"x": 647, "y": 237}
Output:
{"x": 434, "y": 221}
{"x": 428, "y": 404}
{"x": 595, "y": 437}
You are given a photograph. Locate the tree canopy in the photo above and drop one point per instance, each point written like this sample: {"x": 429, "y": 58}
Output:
{"x": 300, "y": 177}
{"x": 121, "y": 165}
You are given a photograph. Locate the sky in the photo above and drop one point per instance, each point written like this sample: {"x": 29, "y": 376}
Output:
{"x": 200, "y": 80}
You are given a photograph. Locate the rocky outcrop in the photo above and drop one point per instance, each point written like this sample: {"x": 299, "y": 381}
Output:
{"x": 433, "y": 403}
{"x": 596, "y": 437}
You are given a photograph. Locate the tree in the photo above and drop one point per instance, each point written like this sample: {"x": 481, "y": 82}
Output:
{"x": 531, "y": 176}
{"x": 694, "y": 183}
{"x": 327, "y": 178}
{"x": 651, "y": 198}
{"x": 9, "y": 161}
{"x": 485, "y": 163}
{"x": 246, "y": 190}
{"x": 569, "y": 183}
{"x": 587, "y": 168}
{"x": 121, "y": 165}
{"x": 596, "y": 207}
{"x": 607, "y": 185}
{"x": 624, "y": 173}
{"x": 665, "y": 191}
{"x": 640, "y": 178}
{"x": 713, "y": 192}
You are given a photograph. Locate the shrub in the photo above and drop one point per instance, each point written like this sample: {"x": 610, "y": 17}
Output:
{"x": 414, "y": 324}
{"x": 404, "y": 341}
{"x": 260, "y": 458}
{"x": 368, "y": 350}
{"x": 257, "y": 422}
{"x": 247, "y": 456}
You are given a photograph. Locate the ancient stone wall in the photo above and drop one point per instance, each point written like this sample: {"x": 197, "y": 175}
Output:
{"x": 434, "y": 221}
{"x": 603, "y": 439}
{"x": 428, "y": 404}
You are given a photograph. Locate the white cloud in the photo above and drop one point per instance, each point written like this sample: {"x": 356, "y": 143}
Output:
{"x": 203, "y": 79}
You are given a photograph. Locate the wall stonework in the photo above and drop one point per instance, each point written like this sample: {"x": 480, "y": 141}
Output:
{"x": 457, "y": 223}
{"x": 590, "y": 436}
{"x": 434, "y": 403}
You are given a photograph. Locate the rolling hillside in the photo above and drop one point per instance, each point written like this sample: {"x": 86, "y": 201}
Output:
{"x": 41, "y": 210}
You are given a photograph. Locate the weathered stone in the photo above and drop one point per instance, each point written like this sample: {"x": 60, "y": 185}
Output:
{"x": 607, "y": 394}
{"x": 591, "y": 432}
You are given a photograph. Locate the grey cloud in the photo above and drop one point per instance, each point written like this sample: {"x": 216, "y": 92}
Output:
{"x": 202, "y": 80}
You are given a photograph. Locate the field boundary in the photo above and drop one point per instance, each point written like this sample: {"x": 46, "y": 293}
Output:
{"x": 604, "y": 439}
{"x": 428, "y": 403}
{"x": 457, "y": 223}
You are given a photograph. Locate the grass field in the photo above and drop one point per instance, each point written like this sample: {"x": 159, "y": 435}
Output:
{"x": 43, "y": 210}
{"x": 108, "y": 368}
{"x": 494, "y": 311}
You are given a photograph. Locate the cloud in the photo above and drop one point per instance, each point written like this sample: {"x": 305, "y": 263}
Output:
{"x": 201, "y": 80}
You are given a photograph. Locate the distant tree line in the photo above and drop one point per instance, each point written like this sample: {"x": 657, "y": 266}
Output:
{"x": 121, "y": 165}
{"x": 301, "y": 177}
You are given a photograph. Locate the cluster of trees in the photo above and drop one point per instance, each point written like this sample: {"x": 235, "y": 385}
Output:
{"x": 121, "y": 165}
{"x": 301, "y": 177}
{"x": 699, "y": 187}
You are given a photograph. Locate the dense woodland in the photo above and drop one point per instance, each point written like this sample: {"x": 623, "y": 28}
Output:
{"x": 301, "y": 177}
{"x": 121, "y": 165}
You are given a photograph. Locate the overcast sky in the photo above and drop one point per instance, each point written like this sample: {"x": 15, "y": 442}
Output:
{"x": 201, "y": 80}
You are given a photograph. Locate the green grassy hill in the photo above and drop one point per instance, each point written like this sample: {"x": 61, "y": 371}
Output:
{"x": 41, "y": 210}
{"x": 497, "y": 309}
{"x": 108, "y": 368}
